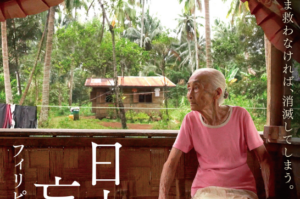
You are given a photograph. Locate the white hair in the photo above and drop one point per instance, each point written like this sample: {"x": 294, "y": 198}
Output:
{"x": 216, "y": 79}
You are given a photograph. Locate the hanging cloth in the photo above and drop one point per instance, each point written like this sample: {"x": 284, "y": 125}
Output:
{"x": 2, "y": 114}
{"x": 7, "y": 121}
{"x": 17, "y": 116}
{"x": 25, "y": 116}
{"x": 12, "y": 110}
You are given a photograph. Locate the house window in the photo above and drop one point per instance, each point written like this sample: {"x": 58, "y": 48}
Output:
{"x": 146, "y": 98}
{"x": 109, "y": 98}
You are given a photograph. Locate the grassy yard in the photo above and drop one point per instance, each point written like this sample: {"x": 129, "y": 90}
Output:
{"x": 176, "y": 117}
{"x": 63, "y": 122}
{"x": 59, "y": 117}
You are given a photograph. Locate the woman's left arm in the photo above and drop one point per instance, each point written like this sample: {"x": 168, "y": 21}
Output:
{"x": 266, "y": 165}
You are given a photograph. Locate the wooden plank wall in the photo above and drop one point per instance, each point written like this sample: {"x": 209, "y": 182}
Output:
{"x": 98, "y": 94}
{"x": 140, "y": 168}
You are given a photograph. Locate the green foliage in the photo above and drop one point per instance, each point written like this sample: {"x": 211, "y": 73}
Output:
{"x": 235, "y": 48}
{"x": 2, "y": 97}
{"x": 151, "y": 30}
{"x": 256, "y": 107}
{"x": 184, "y": 50}
{"x": 65, "y": 110}
{"x": 129, "y": 115}
{"x": 23, "y": 36}
{"x": 178, "y": 92}
{"x": 137, "y": 117}
{"x": 110, "y": 111}
{"x": 250, "y": 87}
{"x": 2, "y": 89}
{"x": 239, "y": 46}
{"x": 295, "y": 123}
{"x": 171, "y": 125}
{"x": 65, "y": 123}
{"x": 142, "y": 117}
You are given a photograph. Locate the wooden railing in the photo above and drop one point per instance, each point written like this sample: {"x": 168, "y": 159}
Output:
{"x": 67, "y": 154}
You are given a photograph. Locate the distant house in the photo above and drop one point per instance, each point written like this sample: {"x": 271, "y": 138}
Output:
{"x": 141, "y": 92}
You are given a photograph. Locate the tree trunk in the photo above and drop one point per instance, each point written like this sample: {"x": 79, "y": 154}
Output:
{"x": 195, "y": 37}
{"x": 36, "y": 91}
{"x": 71, "y": 79}
{"x": 7, "y": 85}
{"x": 47, "y": 67}
{"x": 17, "y": 60}
{"x": 142, "y": 25}
{"x": 102, "y": 28}
{"x": 18, "y": 82}
{"x": 72, "y": 67}
{"x": 207, "y": 35}
{"x": 35, "y": 64}
{"x": 59, "y": 95}
{"x": 116, "y": 90}
{"x": 71, "y": 84}
{"x": 190, "y": 55}
{"x": 266, "y": 48}
{"x": 165, "y": 87}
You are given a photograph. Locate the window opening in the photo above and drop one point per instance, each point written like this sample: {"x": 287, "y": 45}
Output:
{"x": 108, "y": 97}
{"x": 145, "y": 98}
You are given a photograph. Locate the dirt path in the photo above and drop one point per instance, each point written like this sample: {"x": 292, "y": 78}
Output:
{"x": 129, "y": 126}
{"x": 119, "y": 125}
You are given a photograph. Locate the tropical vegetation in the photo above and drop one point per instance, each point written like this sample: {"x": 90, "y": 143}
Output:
{"x": 49, "y": 56}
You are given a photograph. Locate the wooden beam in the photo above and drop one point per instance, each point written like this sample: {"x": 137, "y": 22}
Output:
{"x": 86, "y": 132}
{"x": 274, "y": 129}
{"x": 84, "y": 141}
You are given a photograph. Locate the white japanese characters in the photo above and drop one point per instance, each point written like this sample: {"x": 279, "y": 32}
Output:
{"x": 117, "y": 176}
{"x": 57, "y": 179}
{"x": 20, "y": 175}
{"x": 287, "y": 100}
{"x": 94, "y": 179}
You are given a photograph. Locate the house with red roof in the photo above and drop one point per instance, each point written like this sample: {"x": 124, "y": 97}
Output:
{"x": 138, "y": 93}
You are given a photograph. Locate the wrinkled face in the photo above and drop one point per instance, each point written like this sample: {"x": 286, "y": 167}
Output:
{"x": 199, "y": 94}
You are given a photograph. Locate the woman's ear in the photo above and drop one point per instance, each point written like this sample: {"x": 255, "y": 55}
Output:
{"x": 218, "y": 93}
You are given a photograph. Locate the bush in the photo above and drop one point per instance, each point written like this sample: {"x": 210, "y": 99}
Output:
{"x": 111, "y": 112}
{"x": 257, "y": 110}
{"x": 171, "y": 125}
{"x": 142, "y": 117}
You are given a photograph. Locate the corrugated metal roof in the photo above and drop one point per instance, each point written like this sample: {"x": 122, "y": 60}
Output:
{"x": 130, "y": 81}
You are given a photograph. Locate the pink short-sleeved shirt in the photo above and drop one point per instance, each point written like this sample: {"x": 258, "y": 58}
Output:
{"x": 221, "y": 150}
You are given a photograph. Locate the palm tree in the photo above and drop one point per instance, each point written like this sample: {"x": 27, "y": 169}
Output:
{"x": 207, "y": 35}
{"x": 190, "y": 7}
{"x": 47, "y": 67}
{"x": 8, "y": 92}
{"x": 124, "y": 11}
{"x": 187, "y": 49}
{"x": 237, "y": 8}
{"x": 142, "y": 24}
{"x": 151, "y": 29}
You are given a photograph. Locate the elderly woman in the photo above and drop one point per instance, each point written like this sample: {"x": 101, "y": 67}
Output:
{"x": 220, "y": 136}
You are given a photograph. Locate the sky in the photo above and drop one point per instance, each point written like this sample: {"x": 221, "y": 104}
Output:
{"x": 168, "y": 10}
